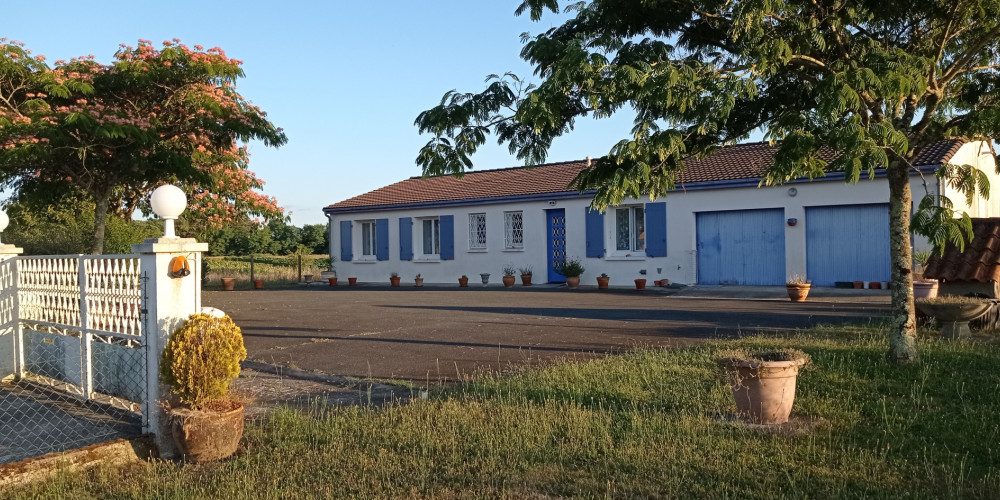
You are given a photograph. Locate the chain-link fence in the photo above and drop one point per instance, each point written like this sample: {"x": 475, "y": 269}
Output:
{"x": 74, "y": 333}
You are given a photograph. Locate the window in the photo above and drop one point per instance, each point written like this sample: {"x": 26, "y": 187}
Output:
{"x": 477, "y": 231}
{"x": 430, "y": 241}
{"x": 368, "y": 238}
{"x": 513, "y": 230}
{"x": 630, "y": 229}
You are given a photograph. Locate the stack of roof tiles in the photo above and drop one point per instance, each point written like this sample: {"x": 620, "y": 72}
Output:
{"x": 738, "y": 162}
{"x": 979, "y": 262}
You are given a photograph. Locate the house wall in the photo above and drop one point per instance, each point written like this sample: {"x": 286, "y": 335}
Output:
{"x": 979, "y": 155}
{"x": 679, "y": 266}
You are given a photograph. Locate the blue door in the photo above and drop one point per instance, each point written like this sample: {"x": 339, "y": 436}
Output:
{"x": 556, "y": 230}
{"x": 847, "y": 243}
{"x": 741, "y": 247}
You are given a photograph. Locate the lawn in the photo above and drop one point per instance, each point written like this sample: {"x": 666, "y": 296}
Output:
{"x": 649, "y": 425}
{"x": 275, "y": 270}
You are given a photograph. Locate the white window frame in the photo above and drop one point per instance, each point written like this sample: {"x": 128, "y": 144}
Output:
{"x": 373, "y": 240}
{"x": 477, "y": 239}
{"x": 419, "y": 243}
{"x": 634, "y": 248}
{"x": 510, "y": 230}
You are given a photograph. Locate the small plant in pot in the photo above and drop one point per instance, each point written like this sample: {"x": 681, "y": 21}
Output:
{"x": 508, "y": 275}
{"x": 418, "y": 280}
{"x": 798, "y": 288}
{"x": 571, "y": 269}
{"x": 463, "y": 281}
{"x": 199, "y": 363}
{"x": 923, "y": 288}
{"x": 602, "y": 281}
{"x": 763, "y": 382}
{"x": 394, "y": 279}
{"x": 525, "y": 275}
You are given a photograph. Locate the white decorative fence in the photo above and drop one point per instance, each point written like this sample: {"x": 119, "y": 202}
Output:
{"x": 75, "y": 324}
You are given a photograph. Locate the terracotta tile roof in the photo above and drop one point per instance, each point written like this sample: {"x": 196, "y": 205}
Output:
{"x": 979, "y": 262}
{"x": 738, "y": 162}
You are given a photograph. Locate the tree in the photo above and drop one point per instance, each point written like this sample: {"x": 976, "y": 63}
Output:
{"x": 114, "y": 132}
{"x": 876, "y": 80}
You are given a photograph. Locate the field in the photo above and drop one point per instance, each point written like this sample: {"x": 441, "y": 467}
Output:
{"x": 275, "y": 270}
{"x": 650, "y": 424}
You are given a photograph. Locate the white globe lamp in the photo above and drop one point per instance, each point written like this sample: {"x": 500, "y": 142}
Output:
{"x": 4, "y": 220}
{"x": 168, "y": 202}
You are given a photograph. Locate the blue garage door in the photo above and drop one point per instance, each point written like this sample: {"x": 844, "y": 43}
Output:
{"x": 847, "y": 243}
{"x": 741, "y": 247}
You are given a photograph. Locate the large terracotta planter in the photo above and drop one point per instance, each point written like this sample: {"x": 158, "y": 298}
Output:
{"x": 228, "y": 284}
{"x": 394, "y": 280}
{"x": 333, "y": 281}
{"x": 463, "y": 282}
{"x": 925, "y": 289}
{"x": 526, "y": 279}
{"x": 258, "y": 284}
{"x": 602, "y": 282}
{"x": 573, "y": 281}
{"x": 640, "y": 284}
{"x": 764, "y": 390}
{"x": 508, "y": 281}
{"x": 206, "y": 435}
{"x": 954, "y": 318}
{"x": 352, "y": 281}
{"x": 797, "y": 292}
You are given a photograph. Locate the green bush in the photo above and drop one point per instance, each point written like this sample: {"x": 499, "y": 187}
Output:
{"x": 202, "y": 358}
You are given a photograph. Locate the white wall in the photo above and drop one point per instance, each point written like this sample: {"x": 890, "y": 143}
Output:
{"x": 979, "y": 155}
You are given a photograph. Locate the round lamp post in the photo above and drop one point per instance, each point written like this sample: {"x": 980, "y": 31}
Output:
{"x": 4, "y": 221}
{"x": 168, "y": 202}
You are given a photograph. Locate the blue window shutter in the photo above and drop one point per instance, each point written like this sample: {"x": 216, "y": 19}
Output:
{"x": 381, "y": 239}
{"x": 447, "y": 237}
{"x": 346, "y": 247}
{"x": 595, "y": 233}
{"x": 405, "y": 238}
{"x": 656, "y": 229}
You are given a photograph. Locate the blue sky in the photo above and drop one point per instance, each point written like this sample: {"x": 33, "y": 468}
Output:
{"x": 344, "y": 79}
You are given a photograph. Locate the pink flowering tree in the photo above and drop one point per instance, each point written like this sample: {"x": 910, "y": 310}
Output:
{"x": 114, "y": 132}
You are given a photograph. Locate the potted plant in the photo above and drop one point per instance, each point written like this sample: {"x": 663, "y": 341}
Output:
{"x": 418, "y": 281}
{"x": 352, "y": 281}
{"x": 200, "y": 361}
{"x": 640, "y": 283}
{"x": 332, "y": 280}
{"x": 508, "y": 275}
{"x": 258, "y": 284}
{"x": 463, "y": 281}
{"x": 798, "y": 288}
{"x": 763, "y": 383}
{"x": 954, "y": 313}
{"x": 602, "y": 281}
{"x": 394, "y": 279}
{"x": 525, "y": 275}
{"x": 228, "y": 284}
{"x": 571, "y": 269}
{"x": 923, "y": 288}
{"x": 485, "y": 277}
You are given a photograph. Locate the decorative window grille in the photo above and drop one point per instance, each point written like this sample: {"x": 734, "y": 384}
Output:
{"x": 431, "y": 237}
{"x": 630, "y": 229}
{"x": 477, "y": 231}
{"x": 368, "y": 238}
{"x": 513, "y": 228}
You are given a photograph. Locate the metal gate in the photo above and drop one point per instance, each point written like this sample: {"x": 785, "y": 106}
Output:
{"x": 72, "y": 352}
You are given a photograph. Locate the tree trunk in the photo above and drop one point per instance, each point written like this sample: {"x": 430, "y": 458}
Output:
{"x": 903, "y": 324}
{"x": 102, "y": 198}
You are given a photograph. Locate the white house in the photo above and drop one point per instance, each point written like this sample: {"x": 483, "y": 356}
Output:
{"x": 718, "y": 227}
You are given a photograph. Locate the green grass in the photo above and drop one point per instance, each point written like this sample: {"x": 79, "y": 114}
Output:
{"x": 643, "y": 425}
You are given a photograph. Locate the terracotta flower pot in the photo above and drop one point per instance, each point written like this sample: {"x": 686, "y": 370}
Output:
{"x": 228, "y": 284}
{"x": 206, "y": 435}
{"x": 394, "y": 280}
{"x": 333, "y": 281}
{"x": 797, "y": 292}
{"x": 640, "y": 284}
{"x": 573, "y": 281}
{"x": 764, "y": 391}
{"x": 352, "y": 281}
{"x": 463, "y": 282}
{"x": 602, "y": 282}
{"x": 526, "y": 279}
{"x": 418, "y": 282}
{"x": 508, "y": 281}
{"x": 925, "y": 289}
{"x": 258, "y": 284}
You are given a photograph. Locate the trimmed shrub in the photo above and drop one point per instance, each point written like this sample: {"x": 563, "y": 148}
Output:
{"x": 202, "y": 358}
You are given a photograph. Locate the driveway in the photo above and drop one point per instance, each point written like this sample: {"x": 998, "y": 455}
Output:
{"x": 438, "y": 334}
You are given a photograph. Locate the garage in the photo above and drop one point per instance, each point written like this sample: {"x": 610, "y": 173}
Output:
{"x": 847, "y": 243}
{"x": 741, "y": 247}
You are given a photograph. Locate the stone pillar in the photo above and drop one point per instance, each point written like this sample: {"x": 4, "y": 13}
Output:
{"x": 168, "y": 302}
{"x": 11, "y": 361}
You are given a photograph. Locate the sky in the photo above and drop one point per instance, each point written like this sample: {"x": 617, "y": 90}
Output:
{"x": 344, "y": 79}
